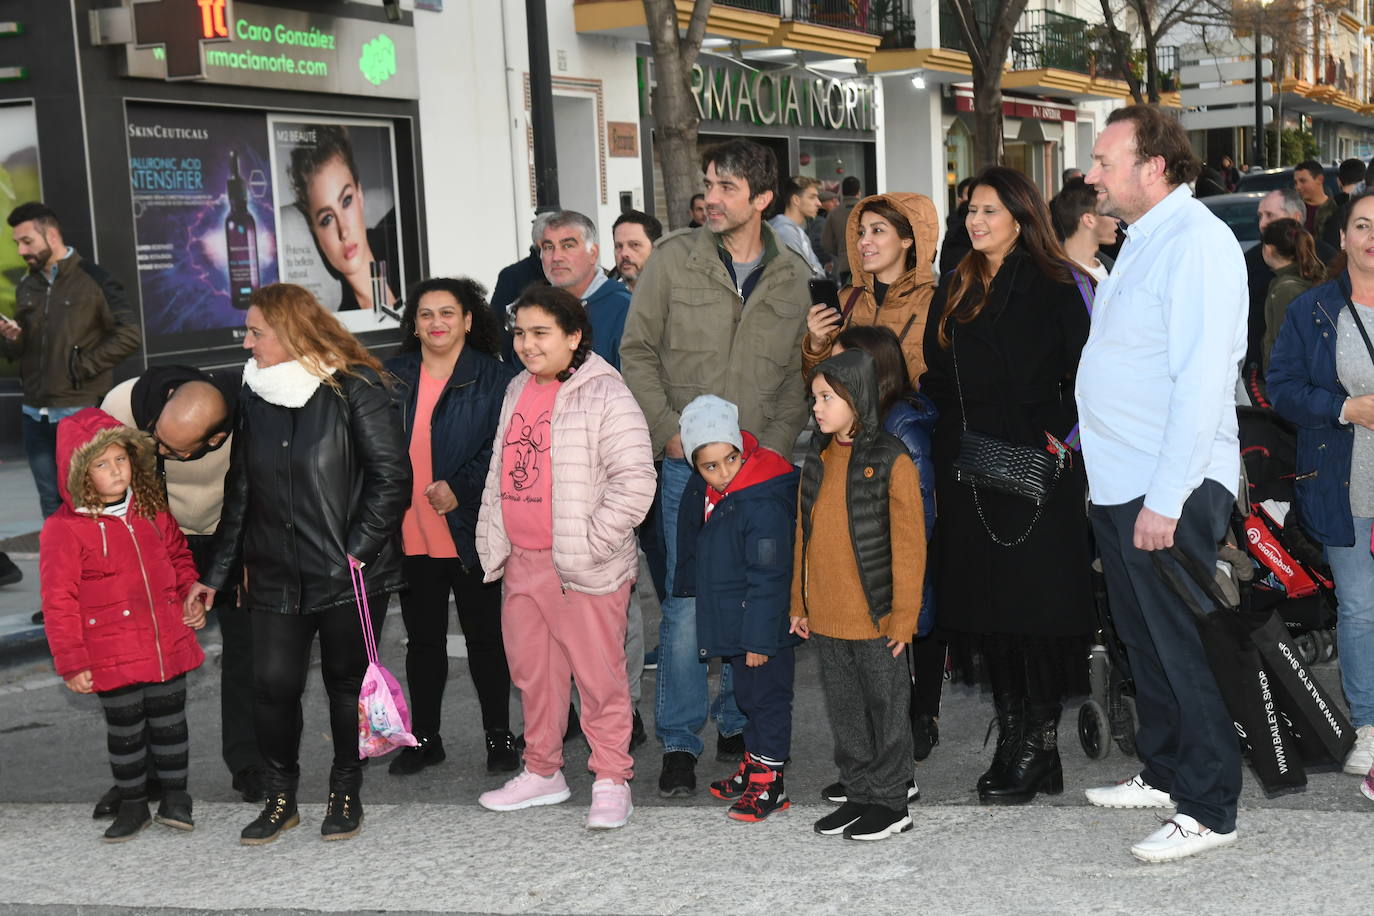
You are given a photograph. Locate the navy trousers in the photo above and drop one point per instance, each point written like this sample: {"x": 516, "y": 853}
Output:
{"x": 1186, "y": 737}
{"x": 764, "y": 695}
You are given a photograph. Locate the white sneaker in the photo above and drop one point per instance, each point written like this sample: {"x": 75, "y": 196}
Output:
{"x": 1361, "y": 756}
{"x": 1132, "y": 793}
{"x": 1179, "y": 837}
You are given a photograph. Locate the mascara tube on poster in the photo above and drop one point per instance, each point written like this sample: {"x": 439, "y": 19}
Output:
{"x": 241, "y": 239}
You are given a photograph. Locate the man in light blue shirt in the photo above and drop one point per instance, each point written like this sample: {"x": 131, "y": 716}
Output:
{"x": 1156, "y": 401}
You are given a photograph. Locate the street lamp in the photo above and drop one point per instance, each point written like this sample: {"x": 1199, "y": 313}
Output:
{"x": 1261, "y": 152}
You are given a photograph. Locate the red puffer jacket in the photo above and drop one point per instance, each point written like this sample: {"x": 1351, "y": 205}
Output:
{"x": 112, "y": 586}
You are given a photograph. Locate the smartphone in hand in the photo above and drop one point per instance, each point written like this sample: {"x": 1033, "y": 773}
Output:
{"x": 825, "y": 292}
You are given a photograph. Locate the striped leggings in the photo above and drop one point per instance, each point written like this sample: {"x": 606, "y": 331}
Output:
{"x": 144, "y": 717}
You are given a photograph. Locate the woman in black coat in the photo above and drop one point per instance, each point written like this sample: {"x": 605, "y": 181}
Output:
{"x": 1014, "y": 578}
{"x": 449, "y": 386}
{"x": 318, "y": 481}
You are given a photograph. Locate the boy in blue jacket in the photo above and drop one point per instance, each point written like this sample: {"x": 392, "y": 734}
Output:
{"x": 735, "y": 554}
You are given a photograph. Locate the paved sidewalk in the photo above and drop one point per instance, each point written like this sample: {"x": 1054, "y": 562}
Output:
{"x": 463, "y": 859}
{"x": 20, "y": 521}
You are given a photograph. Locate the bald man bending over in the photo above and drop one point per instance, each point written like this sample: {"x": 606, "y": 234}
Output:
{"x": 190, "y": 415}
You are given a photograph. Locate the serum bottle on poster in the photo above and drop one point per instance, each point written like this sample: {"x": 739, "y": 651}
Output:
{"x": 241, "y": 238}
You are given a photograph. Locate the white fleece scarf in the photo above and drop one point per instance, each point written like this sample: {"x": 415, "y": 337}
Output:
{"x": 287, "y": 384}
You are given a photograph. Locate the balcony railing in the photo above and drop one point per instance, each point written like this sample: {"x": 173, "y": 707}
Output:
{"x": 1045, "y": 39}
{"x": 839, "y": 14}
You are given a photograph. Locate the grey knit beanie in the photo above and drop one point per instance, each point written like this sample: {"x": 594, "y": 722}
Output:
{"x": 709, "y": 419}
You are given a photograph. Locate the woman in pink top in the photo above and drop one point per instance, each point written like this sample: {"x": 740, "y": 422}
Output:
{"x": 448, "y": 387}
{"x": 572, "y": 476}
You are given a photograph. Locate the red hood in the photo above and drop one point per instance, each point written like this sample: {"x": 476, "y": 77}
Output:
{"x": 83, "y": 436}
{"x": 760, "y": 464}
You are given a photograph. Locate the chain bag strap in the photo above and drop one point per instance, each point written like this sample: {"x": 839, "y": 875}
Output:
{"x": 996, "y": 464}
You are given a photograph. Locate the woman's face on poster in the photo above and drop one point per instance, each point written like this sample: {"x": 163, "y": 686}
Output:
{"x": 336, "y": 217}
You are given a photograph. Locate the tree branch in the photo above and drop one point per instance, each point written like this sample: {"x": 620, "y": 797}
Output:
{"x": 690, "y": 43}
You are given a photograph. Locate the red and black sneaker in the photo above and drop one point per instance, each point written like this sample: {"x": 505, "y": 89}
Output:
{"x": 733, "y": 786}
{"x": 764, "y": 795}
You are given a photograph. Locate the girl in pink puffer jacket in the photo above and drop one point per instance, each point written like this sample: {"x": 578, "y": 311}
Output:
{"x": 571, "y": 476}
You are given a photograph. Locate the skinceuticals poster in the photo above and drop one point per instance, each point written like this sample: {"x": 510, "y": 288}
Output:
{"x": 203, "y": 215}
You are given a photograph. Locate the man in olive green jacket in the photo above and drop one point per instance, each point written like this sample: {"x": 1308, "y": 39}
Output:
{"x": 717, "y": 310}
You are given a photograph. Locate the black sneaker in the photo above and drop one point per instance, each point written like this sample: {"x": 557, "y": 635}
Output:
{"x": 411, "y": 760}
{"x": 679, "y": 776}
{"x": 730, "y": 748}
{"x": 637, "y": 733}
{"x": 925, "y": 734}
{"x": 9, "y": 573}
{"x": 834, "y": 823}
{"x": 879, "y": 823}
{"x": 132, "y": 818}
{"x": 502, "y": 757}
{"x": 37, "y": 618}
{"x": 248, "y": 783}
{"x": 175, "y": 811}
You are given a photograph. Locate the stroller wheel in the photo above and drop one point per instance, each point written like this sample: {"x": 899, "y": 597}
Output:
{"x": 1123, "y": 721}
{"x": 1094, "y": 732}
{"x": 1326, "y": 645}
{"x": 1307, "y": 647}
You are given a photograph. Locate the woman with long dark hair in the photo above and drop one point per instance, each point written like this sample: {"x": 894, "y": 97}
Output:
{"x": 572, "y": 476}
{"x": 318, "y": 482}
{"x": 1291, "y": 254}
{"x": 449, "y": 383}
{"x": 1321, "y": 377}
{"x": 1002, "y": 344}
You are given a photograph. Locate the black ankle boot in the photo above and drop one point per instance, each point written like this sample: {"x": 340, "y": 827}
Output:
{"x": 131, "y": 818}
{"x": 175, "y": 810}
{"x": 343, "y": 817}
{"x": 279, "y": 813}
{"x": 1010, "y": 723}
{"x": 412, "y": 760}
{"x": 1035, "y": 767}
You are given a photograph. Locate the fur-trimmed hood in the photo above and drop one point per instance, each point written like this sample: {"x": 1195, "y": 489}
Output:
{"x": 84, "y": 435}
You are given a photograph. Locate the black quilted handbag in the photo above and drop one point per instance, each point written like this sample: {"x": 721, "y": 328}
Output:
{"x": 989, "y": 463}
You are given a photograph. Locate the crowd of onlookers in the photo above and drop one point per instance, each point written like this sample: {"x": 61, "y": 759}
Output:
{"x": 582, "y": 443}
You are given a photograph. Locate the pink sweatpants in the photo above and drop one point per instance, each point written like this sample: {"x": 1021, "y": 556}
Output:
{"x": 553, "y": 638}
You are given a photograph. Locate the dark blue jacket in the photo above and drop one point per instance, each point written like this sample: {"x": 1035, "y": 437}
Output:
{"x": 1305, "y": 390}
{"x": 606, "y": 309}
{"x": 461, "y": 431}
{"x": 738, "y": 563}
{"x": 912, "y": 419}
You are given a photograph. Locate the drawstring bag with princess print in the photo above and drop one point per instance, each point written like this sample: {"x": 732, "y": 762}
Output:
{"x": 383, "y": 718}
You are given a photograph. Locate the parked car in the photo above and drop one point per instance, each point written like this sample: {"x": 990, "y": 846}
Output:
{"x": 1239, "y": 212}
{"x": 1274, "y": 179}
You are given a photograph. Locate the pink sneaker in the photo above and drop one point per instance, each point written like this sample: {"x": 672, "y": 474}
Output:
{"x": 611, "y": 805}
{"x": 1367, "y": 787}
{"x": 526, "y": 791}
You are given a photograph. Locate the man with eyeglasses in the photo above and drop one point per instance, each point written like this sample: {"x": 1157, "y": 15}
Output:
{"x": 190, "y": 415}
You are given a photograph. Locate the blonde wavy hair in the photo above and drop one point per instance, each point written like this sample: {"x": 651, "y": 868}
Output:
{"x": 148, "y": 498}
{"x": 311, "y": 334}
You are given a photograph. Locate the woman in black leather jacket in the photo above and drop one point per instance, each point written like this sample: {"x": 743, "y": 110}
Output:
{"x": 449, "y": 386}
{"x": 318, "y": 478}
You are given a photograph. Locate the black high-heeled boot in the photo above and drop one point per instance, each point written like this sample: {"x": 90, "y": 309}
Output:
{"x": 279, "y": 813}
{"x": 1010, "y": 724}
{"x": 1035, "y": 767}
{"x": 343, "y": 817}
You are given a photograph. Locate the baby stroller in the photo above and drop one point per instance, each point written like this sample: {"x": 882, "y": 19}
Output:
{"x": 1280, "y": 567}
{"x": 1291, "y": 574}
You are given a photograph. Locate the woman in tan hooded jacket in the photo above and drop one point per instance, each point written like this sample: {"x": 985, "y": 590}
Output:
{"x": 891, "y": 240}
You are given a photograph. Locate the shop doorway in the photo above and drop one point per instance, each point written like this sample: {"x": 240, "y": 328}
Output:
{"x": 579, "y": 179}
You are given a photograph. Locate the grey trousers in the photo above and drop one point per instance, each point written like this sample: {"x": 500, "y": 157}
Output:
{"x": 868, "y": 699}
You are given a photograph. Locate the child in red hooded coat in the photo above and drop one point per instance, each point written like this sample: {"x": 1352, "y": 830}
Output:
{"x": 115, "y": 568}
